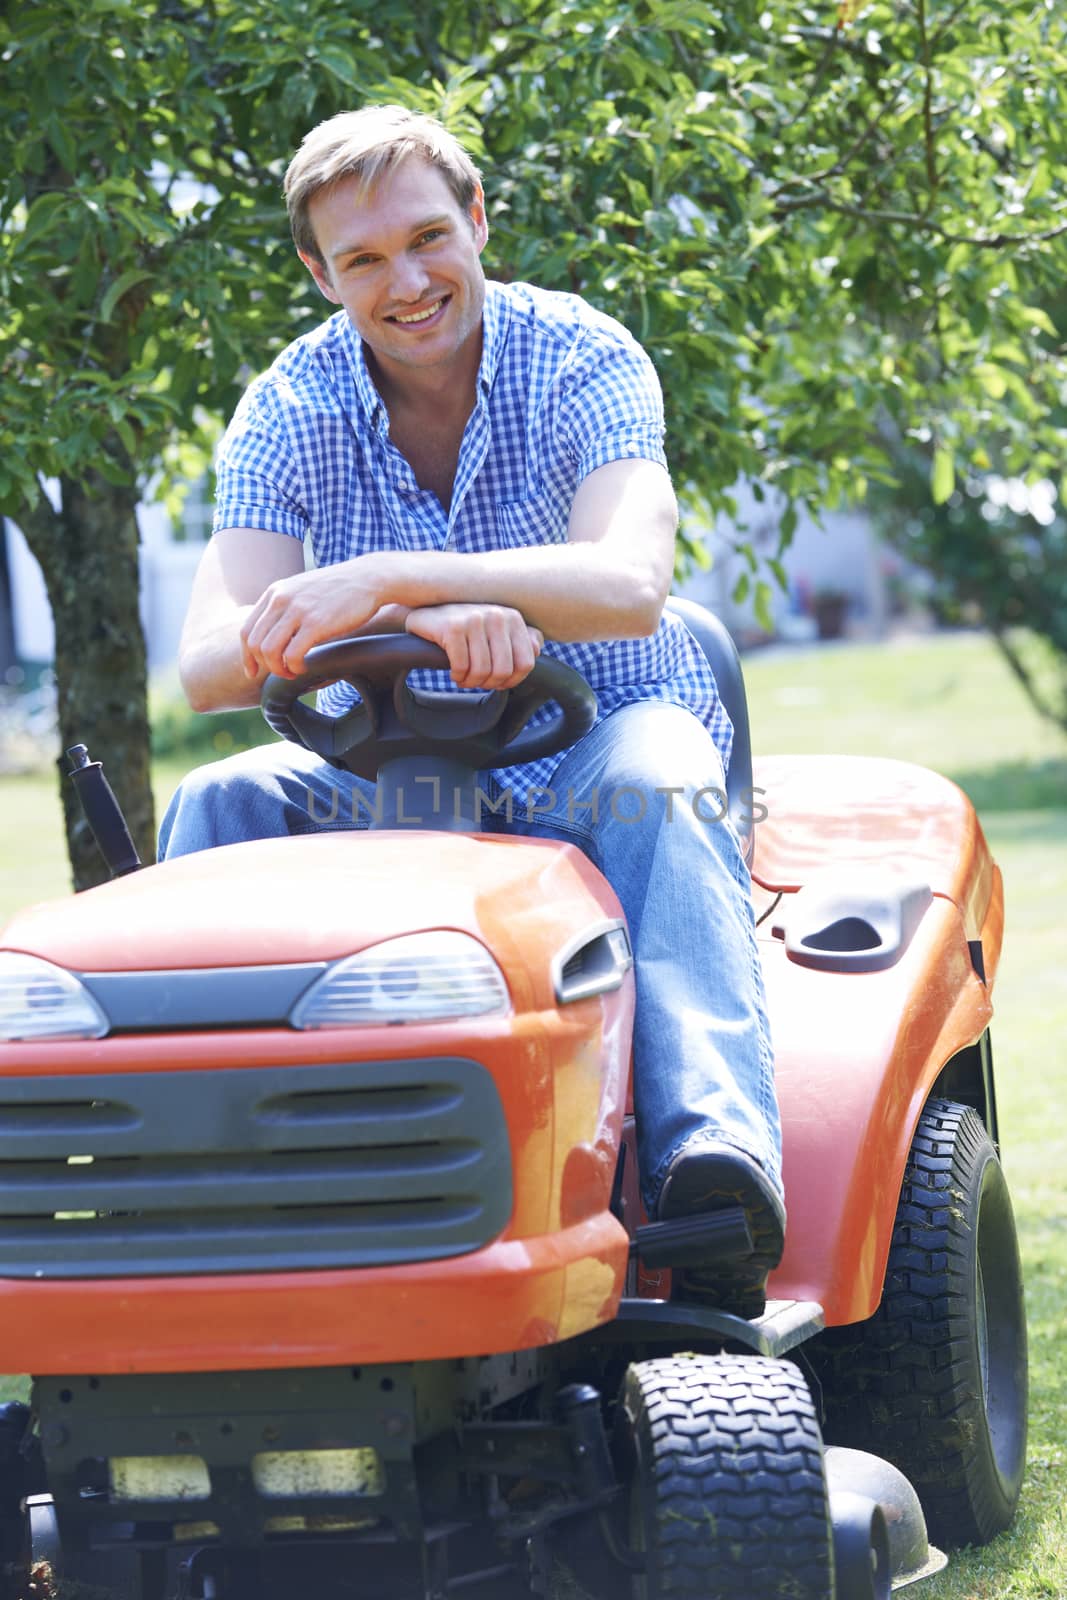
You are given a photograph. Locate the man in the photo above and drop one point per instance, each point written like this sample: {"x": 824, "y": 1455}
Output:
{"x": 482, "y": 465}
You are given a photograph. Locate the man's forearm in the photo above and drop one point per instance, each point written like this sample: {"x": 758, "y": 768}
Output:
{"x": 212, "y": 669}
{"x": 212, "y": 666}
{"x": 571, "y": 592}
{"x": 608, "y": 581}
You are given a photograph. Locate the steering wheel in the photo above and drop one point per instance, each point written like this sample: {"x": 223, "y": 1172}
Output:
{"x": 391, "y": 720}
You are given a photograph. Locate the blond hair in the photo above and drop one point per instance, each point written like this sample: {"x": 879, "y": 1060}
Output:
{"x": 366, "y": 144}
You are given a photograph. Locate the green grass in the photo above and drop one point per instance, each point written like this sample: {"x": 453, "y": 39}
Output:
{"x": 948, "y": 702}
{"x": 33, "y": 856}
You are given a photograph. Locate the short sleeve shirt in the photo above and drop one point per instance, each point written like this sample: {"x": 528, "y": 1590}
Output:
{"x": 562, "y": 390}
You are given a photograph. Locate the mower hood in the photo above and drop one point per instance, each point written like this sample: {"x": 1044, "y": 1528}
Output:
{"x": 315, "y": 898}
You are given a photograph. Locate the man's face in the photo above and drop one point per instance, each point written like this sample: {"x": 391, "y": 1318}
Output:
{"x": 403, "y": 261}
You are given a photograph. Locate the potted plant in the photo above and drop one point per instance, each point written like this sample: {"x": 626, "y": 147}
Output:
{"x": 830, "y": 608}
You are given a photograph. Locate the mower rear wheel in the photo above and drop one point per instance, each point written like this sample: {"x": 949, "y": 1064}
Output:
{"x": 727, "y": 1497}
{"x": 936, "y": 1380}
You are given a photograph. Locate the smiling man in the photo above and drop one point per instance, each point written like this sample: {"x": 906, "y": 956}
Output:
{"x": 482, "y": 464}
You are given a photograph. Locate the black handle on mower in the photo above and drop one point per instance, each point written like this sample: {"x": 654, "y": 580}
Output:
{"x": 103, "y": 813}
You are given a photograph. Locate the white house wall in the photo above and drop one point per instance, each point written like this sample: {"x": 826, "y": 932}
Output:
{"x": 31, "y": 612}
{"x": 842, "y": 552}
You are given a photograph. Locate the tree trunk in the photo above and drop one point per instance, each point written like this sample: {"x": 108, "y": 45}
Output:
{"x": 1043, "y": 704}
{"x": 7, "y": 617}
{"x": 88, "y": 552}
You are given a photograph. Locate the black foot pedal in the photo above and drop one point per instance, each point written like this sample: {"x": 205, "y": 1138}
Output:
{"x": 694, "y": 1241}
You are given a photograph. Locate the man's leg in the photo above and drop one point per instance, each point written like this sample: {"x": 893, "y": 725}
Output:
{"x": 643, "y": 796}
{"x": 266, "y": 793}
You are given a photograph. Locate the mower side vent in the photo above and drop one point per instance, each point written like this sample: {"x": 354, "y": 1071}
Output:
{"x": 594, "y": 963}
{"x": 258, "y": 1169}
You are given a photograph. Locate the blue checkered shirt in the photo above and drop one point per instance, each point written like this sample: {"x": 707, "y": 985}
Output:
{"x": 562, "y": 390}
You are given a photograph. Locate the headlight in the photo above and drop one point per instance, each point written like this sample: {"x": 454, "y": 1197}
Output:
{"x": 422, "y": 977}
{"x": 42, "y": 1001}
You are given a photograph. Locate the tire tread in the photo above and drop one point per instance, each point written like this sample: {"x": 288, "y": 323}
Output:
{"x": 736, "y": 1485}
{"x": 905, "y": 1384}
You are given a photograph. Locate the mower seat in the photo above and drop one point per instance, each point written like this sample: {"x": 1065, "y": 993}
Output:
{"x": 714, "y": 639}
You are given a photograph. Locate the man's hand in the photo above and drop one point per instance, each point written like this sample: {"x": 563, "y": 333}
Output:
{"x": 488, "y": 646}
{"x": 293, "y": 614}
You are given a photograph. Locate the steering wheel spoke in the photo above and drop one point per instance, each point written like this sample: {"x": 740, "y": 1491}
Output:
{"x": 432, "y": 713}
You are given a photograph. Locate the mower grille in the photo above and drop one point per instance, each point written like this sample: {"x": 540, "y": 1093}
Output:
{"x": 260, "y": 1169}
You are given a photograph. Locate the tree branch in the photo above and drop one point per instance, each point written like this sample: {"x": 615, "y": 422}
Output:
{"x": 506, "y": 58}
{"x": 851, "y": 153}
{"x": 1038, "y": 700}
{"x": 947, "y": 22}
{"x": 908, "y": 219}
{"x": 837, "y": 41}
{"x": 41, "y": 526}
{"x": 876, "y": 190}
{"x": 831, "y": 39}
{"x": 928, "y": 96}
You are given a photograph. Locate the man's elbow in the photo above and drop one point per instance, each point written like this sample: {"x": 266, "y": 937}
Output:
{"x": 196, "y": 687}
{"x": 652, "y": 582}
{"x": 651, "y": 587}
{"x": 209, "y": 690}
{"x": 647, "y": 610}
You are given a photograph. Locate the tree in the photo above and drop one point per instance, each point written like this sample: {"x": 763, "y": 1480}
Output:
{"x": 996, "y": 553}
{"x": 816, "y": 217}
{"x": 145, "y": 267}
{"x": 994, "y": 546}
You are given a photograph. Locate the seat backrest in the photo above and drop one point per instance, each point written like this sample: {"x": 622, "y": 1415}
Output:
{"x": 714, "y": 639}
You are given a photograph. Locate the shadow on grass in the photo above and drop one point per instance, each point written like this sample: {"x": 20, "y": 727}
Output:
{"x": 1016, "y": 786}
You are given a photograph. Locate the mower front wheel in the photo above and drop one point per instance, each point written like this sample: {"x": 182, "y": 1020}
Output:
{"x": 727, "y": 1487}
{"x": 936, "y": 1380}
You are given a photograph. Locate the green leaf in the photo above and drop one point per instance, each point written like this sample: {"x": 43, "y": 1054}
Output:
{"x": 761, "y": 604}
{"x": 1041, "y": 182}
{"x": 341, "y": 64}
{"x": 120, "y": 287}
{"x": 943, "y": 475}
{"x": 127, "y": 435}
{"x": 62, "y": 143}
{"x": 992, "y": 380}
{"x": 111, "y": 469}
{"x": 760, "y": 235}
{"x": 1037, "y": 317}
{"x": 45, "y": 215}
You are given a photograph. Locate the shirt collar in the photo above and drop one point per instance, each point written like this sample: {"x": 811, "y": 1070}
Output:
{"x": 495, "y": 319}
{"x": 367, "y": 396}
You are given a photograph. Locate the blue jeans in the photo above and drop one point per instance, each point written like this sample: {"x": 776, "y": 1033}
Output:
{"x": 703, "y": 1067}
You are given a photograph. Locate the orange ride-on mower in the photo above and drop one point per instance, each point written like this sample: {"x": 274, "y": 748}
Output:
{"x": 319, "y": 1217}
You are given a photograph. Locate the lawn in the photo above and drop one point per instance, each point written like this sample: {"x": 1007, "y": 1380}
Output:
{"x": 948, "y": 702}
